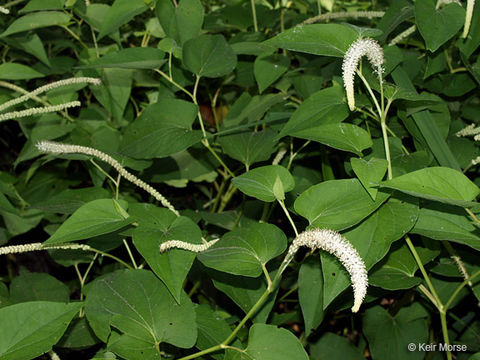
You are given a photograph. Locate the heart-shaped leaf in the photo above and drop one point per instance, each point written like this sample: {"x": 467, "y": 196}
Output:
{"x": 30, "y": 329}
{"x": 267, "y": 68}
{"x": 337, "y": 204}
{"x": 437, "y": 26}
{"x": 142, "y": 311}
{"x": 260, "y": 182}
{"x": 246, "y": 250}
{"x": 95, "y": 218}
{"x": 267, "y": 342}
{"x": 209, "y": 56}
{"x": 155, "y": 226}
{"x": 370, "y": 173}
{"x": 164, "y": 128}
{"x": 441, "y": 184}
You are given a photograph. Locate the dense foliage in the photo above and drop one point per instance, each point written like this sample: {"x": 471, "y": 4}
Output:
{"x": 219, "y": 174}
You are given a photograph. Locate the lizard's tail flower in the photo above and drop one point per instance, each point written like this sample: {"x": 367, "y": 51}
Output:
{"x": 360, "y": 48}
{"x": 335, "y": 244}
{"x": 59, "y": 148}
{"x": 177, "y": 244}
{"x": 16, "y": 249}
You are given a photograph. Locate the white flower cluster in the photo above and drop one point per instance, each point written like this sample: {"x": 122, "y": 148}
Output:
{"x": 360, "y": 48}
{"x": 4, "y": 10}
{"x": 335, "y": 244}
{"x": 59, "y": 148}
{"x": 470, "y": 130}
{"x": 186, "y": 246}
{"x": 48, "y": 87}
{"x": 38, "y": 110}
{"x": 15, "y": 249}
{"x": 403, "y": 35}
{"x": 468, "y": 17}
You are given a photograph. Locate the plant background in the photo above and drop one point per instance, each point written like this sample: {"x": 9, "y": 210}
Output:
{"x": 239, "y": 118}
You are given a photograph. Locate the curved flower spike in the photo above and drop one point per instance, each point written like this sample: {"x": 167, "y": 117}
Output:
{"x": 16, "y": 249}
{"x": 59, "y": 148}
{"x": 4, "y": 10}
{"x": 186, "y": 246}
{"x": 360, "y": 48}
{"x": 335, "y": 244}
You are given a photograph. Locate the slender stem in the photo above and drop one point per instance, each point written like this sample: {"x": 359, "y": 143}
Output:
{"x": 387, "y": 147}
{"x": 203, "y": 352}
{"x": 287, "y": 213}
{"x": 75, "y": 36}
{"x": 173, "y": 82}
{"x": 130, "y": 254}
{"x": 252, "y": 312}
{"x": 459, "y": 288}
{"x": 424, "y": 272}
{"x": 370, "y": 91}
{"x": 446, "y": 340}
{"x": 111, "y": 257}
{"x": 254, "y": 15}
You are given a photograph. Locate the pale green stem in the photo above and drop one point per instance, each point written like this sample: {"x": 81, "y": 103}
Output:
{"x": 287, "y": 213}
{"x": 254, "y": 15}
{"x": 130, "y": 254}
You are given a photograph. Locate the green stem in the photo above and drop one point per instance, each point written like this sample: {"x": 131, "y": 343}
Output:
{"x": 424, "y": 272}
{"x": 254, "y": 15}
{"x": 287, "y": 213}
{"x": 130, "y": 254}
{"x": 459, "y": 288}
{"x": 446, "y": 340}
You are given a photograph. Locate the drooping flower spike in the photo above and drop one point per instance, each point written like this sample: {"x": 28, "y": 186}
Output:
{"x": 335, "y": 244}
{"x": 16, "y": 249}
{"x": 59, "y": 148}
{"x": 4, "y": 10}
{"x": 324, "y": 239}
{"x": 362, "y": 47}
{"x": 33, "y": 95}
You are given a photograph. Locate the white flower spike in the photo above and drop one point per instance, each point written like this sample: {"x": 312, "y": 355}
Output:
{"x": 360, "y": 48}
{"x": 59, "y": 148}
{"x": 178, "y": 244}
{"x": 335, "y": 244}
{"x": 16, "y": 249}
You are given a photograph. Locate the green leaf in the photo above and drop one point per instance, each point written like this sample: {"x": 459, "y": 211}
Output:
{"x": 324, "y": 205}
{"x": 310, "y": 292}
{"x": 260, "y": 182}
{"x": 155, "y": 226}
{"x": 372, "y": 238}
{"x": 11, "y": 71}
{"x": 332, "y": 346}
{"x": 115, "y": 92}
{"x": 143, "y": 312}
{"x": 164, "y": 128}
{"x": 320, "y": 39}
{"x": 267, "y": 342}
{"x": 36, "y": 20}
{"x": 444, "y": 222}
{"x": 389, "y": 336}
{"x": 245, "y": 250}
{"x": 396, "y": 271}
{"x": 70, "y": 200}
{"x": 249, "y": 147}
{"x": 30, "y": 329}
{"x": 209, "y": 56}
{"x": 436, "y": 183}
{"x": 121, "y": 12}
{"x": 212, "y": 329}
{"x": 346, "y": 137}
{"x": 30, "y": 43}
{"x": 437, "y": 26}
{"x": 268, "y": 68}
{"x": 131, "y": 58}
{"x": 321, "y": 108}
{"x": 29, "y": 286}
{"x": 36, "y": 5}
{"x": 370, "y": 173}
{"x": 245, "y": 292}
{"x": 182, "y": 22}
{"x": 78, "y": 335}
{"x": 95, "y": 218}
